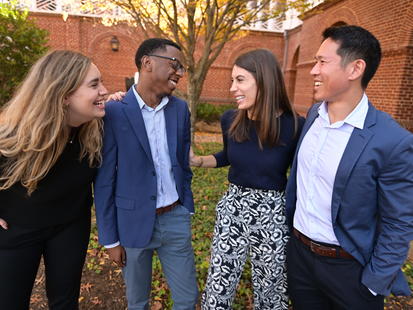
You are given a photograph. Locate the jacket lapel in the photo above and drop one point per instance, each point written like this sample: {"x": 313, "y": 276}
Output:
{"x": 171, "y": 120}
{"x": 134, "y": 115}
{"x": 355, "y": 147}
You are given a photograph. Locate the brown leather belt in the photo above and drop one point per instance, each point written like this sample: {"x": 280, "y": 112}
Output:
{"x": 322, "y": 250}
{"x": 165, "y": 209}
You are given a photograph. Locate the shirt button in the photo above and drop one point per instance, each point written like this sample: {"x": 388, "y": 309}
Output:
{"x": 153, "y": 197}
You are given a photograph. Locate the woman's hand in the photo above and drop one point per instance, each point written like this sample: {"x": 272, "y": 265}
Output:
{"x": 3, "y": 224}
{"x": 194, "y": 161}
{"x": 118, "y": 96}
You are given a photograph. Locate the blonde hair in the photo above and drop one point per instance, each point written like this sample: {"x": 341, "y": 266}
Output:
{"x": 33, "y": 124}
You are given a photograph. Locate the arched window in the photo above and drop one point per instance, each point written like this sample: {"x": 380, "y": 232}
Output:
{"x": 338, "y": 24}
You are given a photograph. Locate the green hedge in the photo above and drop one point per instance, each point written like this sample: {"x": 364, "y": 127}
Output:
{"x": 211, "y": 112}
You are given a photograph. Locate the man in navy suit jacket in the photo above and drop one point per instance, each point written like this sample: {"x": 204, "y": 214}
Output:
{"x": 142, "y": 191}
{"x": 350, "y": 192}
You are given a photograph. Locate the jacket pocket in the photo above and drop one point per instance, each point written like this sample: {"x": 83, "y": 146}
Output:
{"x": 124, "y": 203}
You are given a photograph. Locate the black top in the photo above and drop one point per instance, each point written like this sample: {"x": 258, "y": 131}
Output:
{"x": 63, "y": 195}
{"x": 254, "y": 167}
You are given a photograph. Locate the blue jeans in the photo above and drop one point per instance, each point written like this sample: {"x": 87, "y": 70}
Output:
{"x": 171, "y": 239}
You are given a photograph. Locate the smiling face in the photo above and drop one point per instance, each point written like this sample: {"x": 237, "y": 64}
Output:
{"x": 88, "y": 101}
{"x": 332, "y": 79}
{"x": 165, "y": 73}
{"x": 243, "y": 88}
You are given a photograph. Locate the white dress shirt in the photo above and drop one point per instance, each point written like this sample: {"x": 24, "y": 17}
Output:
{"x": 318, "y": 159}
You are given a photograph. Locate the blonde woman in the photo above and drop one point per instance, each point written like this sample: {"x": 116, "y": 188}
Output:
{"x": 50, "y": 141}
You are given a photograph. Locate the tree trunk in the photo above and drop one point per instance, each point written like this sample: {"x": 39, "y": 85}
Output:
{"x": 194, "y": 87}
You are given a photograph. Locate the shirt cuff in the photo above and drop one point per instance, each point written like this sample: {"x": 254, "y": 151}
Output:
{"x": 109, "y": 246}
{"x": 373, "y": 292}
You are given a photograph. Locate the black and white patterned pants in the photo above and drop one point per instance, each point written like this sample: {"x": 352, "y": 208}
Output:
{"x": 248, "y": 222}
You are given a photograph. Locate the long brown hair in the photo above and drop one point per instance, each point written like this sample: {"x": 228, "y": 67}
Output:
{"x": 33, "y": 124}
{"x": 271, "y": 101}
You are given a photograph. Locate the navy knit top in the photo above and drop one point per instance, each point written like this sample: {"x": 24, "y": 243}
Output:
{"x": 254, "y": 167}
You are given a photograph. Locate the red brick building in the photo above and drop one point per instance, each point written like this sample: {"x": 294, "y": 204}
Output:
{"x": 390, "y": 21}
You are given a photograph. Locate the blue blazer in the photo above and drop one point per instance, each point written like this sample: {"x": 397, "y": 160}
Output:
{"x": 372, "y": 201}
{"x": 125, "y": 187}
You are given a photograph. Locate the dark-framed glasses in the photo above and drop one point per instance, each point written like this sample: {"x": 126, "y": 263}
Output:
{"x": 175, "y": 63}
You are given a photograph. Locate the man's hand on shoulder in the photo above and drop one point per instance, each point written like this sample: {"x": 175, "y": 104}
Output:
{"x": 118, "y": 96}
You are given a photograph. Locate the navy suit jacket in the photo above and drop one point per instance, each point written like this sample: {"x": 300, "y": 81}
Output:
{"x": 125, "y": 187}
{"x": 372, "y": 201}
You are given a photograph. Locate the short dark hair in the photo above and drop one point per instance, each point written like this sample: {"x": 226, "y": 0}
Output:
{"x": 149, "y": 46}
{"x": 356, "y": 43}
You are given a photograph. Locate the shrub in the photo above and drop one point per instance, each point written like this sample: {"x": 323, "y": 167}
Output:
{"x": 21, "y": 44}
{"x": 211, "y": 112}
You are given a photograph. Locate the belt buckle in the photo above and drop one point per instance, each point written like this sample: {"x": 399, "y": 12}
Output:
{"x": 314, "y": 246}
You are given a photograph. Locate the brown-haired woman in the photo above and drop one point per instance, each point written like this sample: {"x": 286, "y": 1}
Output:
{"x": 260, "y": 138}
{"x": 50, "y": 141}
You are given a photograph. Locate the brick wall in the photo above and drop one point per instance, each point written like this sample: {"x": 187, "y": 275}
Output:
{"x": 218, "y": 81}
{"x": 390, "y": 90}
{"x": 88, "y": 36}
{"x": 91, "y": 38}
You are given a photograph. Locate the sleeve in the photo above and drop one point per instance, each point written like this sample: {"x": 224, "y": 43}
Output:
{"x": 104, "y": 187}
{"x": 188, "y": 197}
{"x": 395, "y": 203}
{"x": 222, "y": 156}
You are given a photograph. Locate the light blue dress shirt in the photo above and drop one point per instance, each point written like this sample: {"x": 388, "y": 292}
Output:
{"x": 155, "y": 126}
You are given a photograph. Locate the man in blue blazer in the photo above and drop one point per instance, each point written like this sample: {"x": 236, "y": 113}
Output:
{"x": 142, "y": 191}
{"x": 350, "y": 192}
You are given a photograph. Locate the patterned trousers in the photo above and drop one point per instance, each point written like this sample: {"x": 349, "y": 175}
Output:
{"x": 248, "y": 222}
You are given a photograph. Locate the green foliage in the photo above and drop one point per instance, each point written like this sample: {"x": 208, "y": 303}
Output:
{"x": 408, "y": 272}
{"x": 211, "y": 112}
{"x": 21, "y": 44}
{"x": 97, "y": 260}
